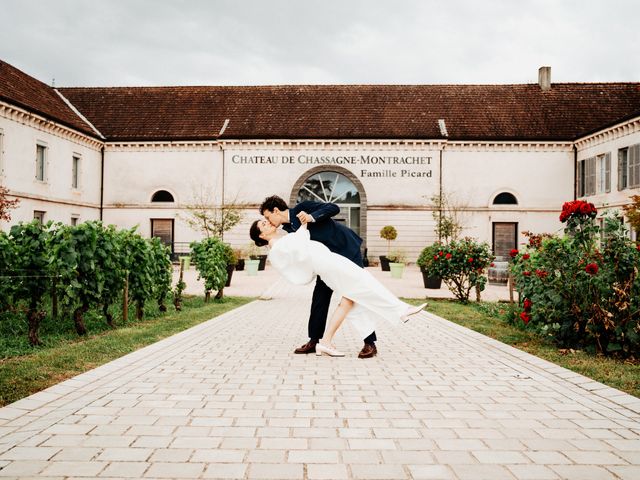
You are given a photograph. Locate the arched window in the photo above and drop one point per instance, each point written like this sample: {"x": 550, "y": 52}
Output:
{"x": 162, "y": 196}
{"x": 505, "y": 198}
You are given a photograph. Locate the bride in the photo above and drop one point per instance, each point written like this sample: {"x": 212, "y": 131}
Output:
{"x": 299, "y": 259}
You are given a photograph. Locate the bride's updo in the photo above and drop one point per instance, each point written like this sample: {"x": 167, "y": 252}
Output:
{"x": 254, "y": 233}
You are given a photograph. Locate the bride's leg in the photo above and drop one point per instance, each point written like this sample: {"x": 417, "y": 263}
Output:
{"x": 336, "y": 320}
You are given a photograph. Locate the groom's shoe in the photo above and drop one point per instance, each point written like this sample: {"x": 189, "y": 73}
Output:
{"x": 309, "y": 347}
{"x": 369, "y": 350}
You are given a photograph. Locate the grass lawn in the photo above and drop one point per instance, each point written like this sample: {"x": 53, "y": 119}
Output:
{"x": 485, "y": 318}
{"x": 25, "y": 370}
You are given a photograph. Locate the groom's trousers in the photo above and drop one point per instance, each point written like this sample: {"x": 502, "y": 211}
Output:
{"x": 320, "y": 310}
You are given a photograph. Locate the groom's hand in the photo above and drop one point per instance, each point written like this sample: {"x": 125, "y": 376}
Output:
{"x": 305, "y": 218}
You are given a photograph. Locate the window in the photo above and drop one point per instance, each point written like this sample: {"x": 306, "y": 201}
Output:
{"x": 39, "y": 215}
{"x": 634, "y": 166}
{"x": 587, "y": 177}
{"x": 74, "y": 220}
{"x": 505, "y": 198}
{"x": 75, "y": 171}
{"x": 603, "y": 175}
{"x": 41, "y": 162}
{"x": 162, "y": 196}
{"x": 623, "y": 168}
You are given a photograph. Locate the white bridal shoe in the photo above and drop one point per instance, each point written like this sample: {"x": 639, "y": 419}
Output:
{"x": 324, "y": 350}
{"x": 411, "y": 311}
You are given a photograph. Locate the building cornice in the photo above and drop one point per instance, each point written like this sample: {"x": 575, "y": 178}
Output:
{"x": 59, "y": 201}
{"x": 508, "y": 146}
{"x": 609, "y": 134}
{"x": 205, "y": 146}
{"x": 329, "y": 144}
{"x": 43, "y": 124}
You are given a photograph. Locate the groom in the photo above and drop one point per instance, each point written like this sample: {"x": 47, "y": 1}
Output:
{"x": 338, "y": 238}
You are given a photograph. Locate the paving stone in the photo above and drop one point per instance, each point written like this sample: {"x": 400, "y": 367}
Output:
{"x": 275, "y": 472}
{"x": 125, "y": 469}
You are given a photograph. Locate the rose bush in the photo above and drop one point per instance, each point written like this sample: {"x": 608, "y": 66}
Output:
{"x": 461, "y": 264}
{"x": 582, "y": 290}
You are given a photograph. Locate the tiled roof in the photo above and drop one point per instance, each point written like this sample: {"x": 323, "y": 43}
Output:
{"x": 471, "y": 112}
{"x": 22, "y": 90}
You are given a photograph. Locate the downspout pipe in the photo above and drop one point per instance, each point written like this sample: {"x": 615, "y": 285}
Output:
{"x": 575, "y": 172}
{"x": 101, "y": 182}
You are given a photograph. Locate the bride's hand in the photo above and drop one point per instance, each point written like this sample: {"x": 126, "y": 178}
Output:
{"x": 304, "y": 218}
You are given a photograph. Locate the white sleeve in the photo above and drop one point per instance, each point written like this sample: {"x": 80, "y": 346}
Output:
{"x": 292, "y": 258}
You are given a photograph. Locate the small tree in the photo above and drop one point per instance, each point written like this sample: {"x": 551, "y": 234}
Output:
{"x": 447, "y": 214}
{"x": 389, "y": 233}
{"x": 162, "y": 271}
{"x": 206, "y": 217}
{"x": 632, "y": 212}
{"x": 6, "y": 205}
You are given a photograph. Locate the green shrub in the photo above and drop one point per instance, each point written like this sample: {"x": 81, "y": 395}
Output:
{"x": 461, "y": 264}
{"x": 583, "y": 291}
{"x": 210, "y": 257}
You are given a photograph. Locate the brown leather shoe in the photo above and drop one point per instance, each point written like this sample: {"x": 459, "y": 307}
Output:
{"x": 309, "y": 347}
{"x": 368, "y": 351}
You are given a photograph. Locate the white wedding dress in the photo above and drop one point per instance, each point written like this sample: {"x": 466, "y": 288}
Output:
{"x": 299, "y": 259}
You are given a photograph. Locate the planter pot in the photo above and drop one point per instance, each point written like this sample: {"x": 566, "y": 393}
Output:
{"x": 230, "y": 269}
{"x": 431, "y": 282}
{"x": 263, "y": 262}
{"x": 252, "y": 266}
{"x": 240, "y": 265}
{"x": 384, "y": 263}
{"x": 396, "y": 269}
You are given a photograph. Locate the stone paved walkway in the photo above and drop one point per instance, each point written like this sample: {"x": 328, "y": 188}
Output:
{"x": 229, "y": 399}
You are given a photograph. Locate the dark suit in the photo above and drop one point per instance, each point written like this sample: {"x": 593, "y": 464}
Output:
{"x": 339, "y": 239}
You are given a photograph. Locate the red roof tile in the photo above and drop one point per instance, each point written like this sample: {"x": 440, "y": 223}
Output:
{"x": 22, "y": 90}
{"x": 471, "y": 112}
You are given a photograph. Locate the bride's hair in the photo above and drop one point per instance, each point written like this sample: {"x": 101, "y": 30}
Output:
{"x": 254, "y": 233}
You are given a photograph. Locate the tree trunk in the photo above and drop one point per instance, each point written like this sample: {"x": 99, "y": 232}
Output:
{"x": 78, "y": 319}
{"x": 34, "y": 317}
{"x": 54, "y": 298}
{"x": 477, "y": 292}
{"x": 207, "y": 296}
{"x": 177, "y": 302}
{"x": 107, "y": 315}
{"x": 125, "y": 300}
{"x": 139, "y": 310}
{"x": 510, "y": 281}
{"x": 219, "y": 294}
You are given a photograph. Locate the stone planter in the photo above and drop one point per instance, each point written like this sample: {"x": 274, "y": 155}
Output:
{"x": 230, "y": 269}
{"x": 396, "y": 269}
{"x": 252, "y": 266}
{"x": 384, "y": 263}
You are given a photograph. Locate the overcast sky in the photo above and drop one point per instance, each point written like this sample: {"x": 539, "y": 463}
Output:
{"x": 257, "y": 42}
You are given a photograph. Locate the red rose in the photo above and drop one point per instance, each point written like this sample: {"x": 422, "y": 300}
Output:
{"x": 435, "y": 257}
{"x": 638, "y": 246}
{"x": 493, "y": 264}
{"x": 513, "y": 253}
{"x": 526, "y": 256}
{"x": 541, "y": 273}
{"x": 585, "y": 209}
{"x": 525, "y": 317}
{"x": 526, "y": 273}
{"x": 591, "y": 268}
{"x": 448, "y": 256}
{"x": 527, "y": 304}
{"x": 470, "y": 260}
{"x": 440, "y": 253}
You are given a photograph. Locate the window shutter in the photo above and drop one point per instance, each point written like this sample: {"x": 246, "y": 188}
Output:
{"x": 634, "y": 166}
{"x": 591, "y": 189}
{"x": 620, "y": 167}
{"x": 579, "y": 174}
{"x": 607, "y": 172}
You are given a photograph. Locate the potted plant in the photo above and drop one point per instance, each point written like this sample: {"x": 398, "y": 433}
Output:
{"x": 239, "y": 253}
{"x": 397, "y": 259}
{"x": 426, "y": 262}
{"x": 252, "y": 262}
{"x": 231, "y": 260}
{"x": 387, "y": 233}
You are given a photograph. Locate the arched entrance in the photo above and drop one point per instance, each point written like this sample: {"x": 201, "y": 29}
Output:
{"x": 336, "y": 185}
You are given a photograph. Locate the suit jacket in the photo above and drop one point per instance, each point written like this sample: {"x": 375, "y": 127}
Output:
{"x": 336, "y": 236}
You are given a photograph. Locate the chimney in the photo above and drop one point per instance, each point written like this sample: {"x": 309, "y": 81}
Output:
{"x": 544, "y": 78}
